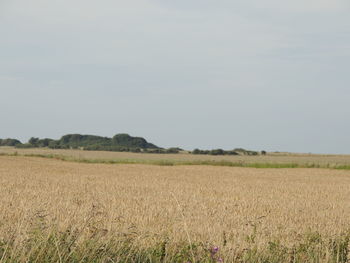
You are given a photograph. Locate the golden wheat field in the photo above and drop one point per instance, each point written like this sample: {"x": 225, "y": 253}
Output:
{"x": 228, "y": 207}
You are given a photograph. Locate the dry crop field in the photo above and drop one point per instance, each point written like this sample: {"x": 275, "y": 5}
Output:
{"x": 56, "y": 211}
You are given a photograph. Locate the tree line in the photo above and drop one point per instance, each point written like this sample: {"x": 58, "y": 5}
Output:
{"x": 118, "y": 143}
{"x": 237, "y": 151}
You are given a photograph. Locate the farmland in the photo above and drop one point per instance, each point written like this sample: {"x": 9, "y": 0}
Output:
{"x": 55, "y": 211}
{"x": 309, "y": 160}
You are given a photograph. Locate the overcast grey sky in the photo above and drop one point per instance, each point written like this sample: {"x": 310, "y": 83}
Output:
{"x": 272, "y": 75}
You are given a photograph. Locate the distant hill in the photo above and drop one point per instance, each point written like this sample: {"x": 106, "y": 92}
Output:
{"x": 98, "y": 142}
{"x": 119, "y": 142}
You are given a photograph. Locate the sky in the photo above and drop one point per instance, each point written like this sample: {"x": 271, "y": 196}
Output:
{"x": 263, "y": 75}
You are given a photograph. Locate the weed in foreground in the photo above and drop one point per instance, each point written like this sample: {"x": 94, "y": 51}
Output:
{"x": 71, "y": 246}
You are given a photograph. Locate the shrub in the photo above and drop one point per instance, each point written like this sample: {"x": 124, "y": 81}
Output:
{"x": 33, "y": 141}
{"x": 132, "y": 142}
{"x": 214, "y": 152}
{"x": 196, "y": 151}
{"x": 44, "y": 142}
{"x": 24, "y": 145}
{"x": 172, "y": 150}
{"x": 217, "y": 152}
{"x": 9, "y": 142}
{"x": 231, "y": 153}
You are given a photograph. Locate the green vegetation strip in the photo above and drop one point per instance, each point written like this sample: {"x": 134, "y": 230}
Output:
{"x": 184, "y": 162}
{"x": 70, "y": 246}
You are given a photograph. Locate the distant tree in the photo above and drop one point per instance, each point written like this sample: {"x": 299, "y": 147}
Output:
{"x": 44, "y": 142}
{"x": 24, "y": 145}
{"x": 172, "y": 150}
{"x": 9, "y": 142}
{"x": 126, "y": 140}
{"x": 263, "y": 152}
{"x": 54, "y": 145}
{"x": 217, "y": 152}
{"x": 33, "y": 141}
{"x": 240, "y": 150}
{"x": 196, "y": 151}
{"x": 231, "y": 153}
{"x": 135, "y": 150}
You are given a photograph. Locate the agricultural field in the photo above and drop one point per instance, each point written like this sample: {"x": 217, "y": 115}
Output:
{"x": 294, "y": 160}
{"x": 57, "y": 211}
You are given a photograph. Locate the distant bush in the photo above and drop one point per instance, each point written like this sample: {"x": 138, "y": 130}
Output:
{"x": 251, "y": 153}
{"x": 44, "y": 142}
{"x": 214, "y": 152}
{"x": 128, "y": 149}
{"x": 107, "y": 148}
{"x": 217, "y": 152}
{"x": 197, "y": 151}
{"x": 173, "y": 150}
{"x": 162, "y": 151}
{"x": 119, "y": 143}
{"x": 24, "y": 145}
{"x": 245, "y": 152}
{"x": 231, "y": 153}
{"x": 33, "y": 141}
{"x": 54, "y": 145}
{"x": 78, "y": 140}
{"x": 135, "y": 150}
{"x": 239, "y": 150}
{"x": 9, "y": 142}
{"x": 132, "y": 142}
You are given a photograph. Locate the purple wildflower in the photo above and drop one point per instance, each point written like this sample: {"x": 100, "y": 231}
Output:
{"x": 214, "y": 250}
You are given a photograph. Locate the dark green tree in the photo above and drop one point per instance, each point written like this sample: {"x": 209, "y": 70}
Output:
{"x": 33, "y": 141}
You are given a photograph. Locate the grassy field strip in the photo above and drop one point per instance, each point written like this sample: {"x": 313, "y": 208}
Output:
{"x": 170, "y": 162}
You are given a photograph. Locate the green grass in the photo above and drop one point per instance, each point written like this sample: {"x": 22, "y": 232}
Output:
{"x": 70, "y": 246}
{"x": 266, "y": 165}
